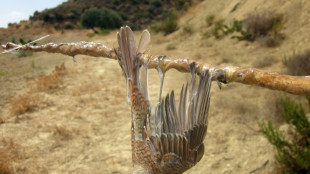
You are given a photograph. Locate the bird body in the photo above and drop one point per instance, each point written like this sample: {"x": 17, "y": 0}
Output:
{"x": 164, "y": 139}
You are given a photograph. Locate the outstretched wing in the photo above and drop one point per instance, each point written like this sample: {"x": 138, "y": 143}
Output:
{"x": 178, "y": 143}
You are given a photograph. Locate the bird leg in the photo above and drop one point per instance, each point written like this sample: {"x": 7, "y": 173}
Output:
{"x": 161, "y": 76}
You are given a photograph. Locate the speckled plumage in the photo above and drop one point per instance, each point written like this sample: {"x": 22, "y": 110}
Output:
{"x": 165, "y": 139}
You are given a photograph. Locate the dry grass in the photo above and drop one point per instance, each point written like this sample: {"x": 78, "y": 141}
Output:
{"x": 6, "y": 161}
{"x": 62, "y": 132}
{"x": 298, "y": 64}
{"x": 171, "y": 46}
{"x": 52, "y": 81}
{"x": 263, "y": 62}
{"x": 10, "y": 153}
{"x": 210, "y": 19}
{"x": 28, "y": 102}
{"x": 265, "y": 27}
{"x": 15, "y": 159}
{"x": 85, "y": 89}
{"x": 188, "y": 29}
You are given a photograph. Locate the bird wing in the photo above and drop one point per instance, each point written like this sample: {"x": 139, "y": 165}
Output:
{"x": 178, "y": 143}
{"x": 145, "y": 39}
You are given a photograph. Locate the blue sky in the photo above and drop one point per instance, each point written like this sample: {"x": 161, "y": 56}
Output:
{"x": 15, "y": 10}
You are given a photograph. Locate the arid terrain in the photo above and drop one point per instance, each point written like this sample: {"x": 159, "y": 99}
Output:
{"x": 75, "y": 119}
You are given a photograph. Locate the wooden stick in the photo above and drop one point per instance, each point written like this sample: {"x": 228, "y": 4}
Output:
{"x": 299, "y": 85}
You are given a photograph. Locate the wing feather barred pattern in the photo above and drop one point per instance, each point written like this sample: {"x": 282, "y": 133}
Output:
{"x": 165, "y": 139}
{"x": 180, "y": 132}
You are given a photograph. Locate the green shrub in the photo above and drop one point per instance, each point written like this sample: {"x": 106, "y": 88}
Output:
{"x": 234, "y": 25}
{"x": 13, "y": 40}
{"x": 217, "y": 30}
{"x": 264, "y": 27}
{"x": 104, "y": 32}
{"x": 90, "y": 18}
{"x": 210, "y": 19}
{"x": 170, "y": 23}
{"x": 156, "y": 3}
{"x": 69, "y": 26}
{"x": 59, "y": 18}
{"x": 293, "y": 156}
{"x": 46, "y": 17}
{"x": 109, "y": 19}
{"x": 298, "y": 64}
{"x": 103, "y": 18}
{"x": 24, "y": 54}
{"x": 3, "y": 73}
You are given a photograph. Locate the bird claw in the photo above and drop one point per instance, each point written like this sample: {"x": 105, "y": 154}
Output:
{"x": 218, "y": 75}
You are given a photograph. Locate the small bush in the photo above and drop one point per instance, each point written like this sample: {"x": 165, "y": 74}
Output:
{"x": 104, "y": 32}
{"x": 68, "y": 26}
{"x": 103, "y": 18}
{"x": 156, "y": 3}
{"x": 263, "y": 62}
{"x": 217, "y": 30}
{"x": 298, "y": 65}
{"x": 24, "y": 54}
{"x": 52, "y": 81}
{"x": 188, "y": 29}
{"x": 3, "y": 73}
{"x": 293, "y": 154}
{"x": 27, "y": 103}
{"x": 13, "y": 40}
{"x": 266, "y": 26}
{"x": 62, "y": 132}
{"x": 6, "y": 161}
{"x": 23, "y": 103}
{"x": 10, "y": 153}
{"x": 14, "y": 158}
{"x": 210, "y": 19}
{"x": 171, "y": 47}
{"x": 170, "y": 23}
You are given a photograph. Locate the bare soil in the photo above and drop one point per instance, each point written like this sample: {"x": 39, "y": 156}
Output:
{"x": 83, "y": 125}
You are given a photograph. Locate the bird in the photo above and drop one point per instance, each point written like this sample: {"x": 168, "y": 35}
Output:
{"x": 164, "y": 138}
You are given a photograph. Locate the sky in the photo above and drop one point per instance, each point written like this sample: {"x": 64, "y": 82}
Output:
{"x": 15, "y": 10}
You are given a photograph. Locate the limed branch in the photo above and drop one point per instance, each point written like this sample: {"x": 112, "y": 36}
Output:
{"x": 299, "y": 85}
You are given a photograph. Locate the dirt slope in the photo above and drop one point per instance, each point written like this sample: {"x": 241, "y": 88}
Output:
{"x": 84, "y": 125}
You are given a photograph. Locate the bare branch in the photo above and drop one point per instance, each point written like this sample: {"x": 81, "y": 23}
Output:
{"x": 299, "y": 85}
{"x": 70, "y": 49}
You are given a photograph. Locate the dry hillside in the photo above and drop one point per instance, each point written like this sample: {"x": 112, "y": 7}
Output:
{"x": 75, "y": 119}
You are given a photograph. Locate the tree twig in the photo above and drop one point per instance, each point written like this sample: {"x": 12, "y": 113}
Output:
{"x": 299, "y": 85}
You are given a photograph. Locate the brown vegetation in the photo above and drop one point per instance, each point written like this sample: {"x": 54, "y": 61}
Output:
{"x": 30, "y": 101}
{"x": 298, "y": 64}
{"x": 263, "y": 62}
{"x": 52, "y": 81}
{"x": 5, "y": 162}
{"x": 265, "y": 27}
{"x": 27, "y": 102}
{"x": 10, "y": 152}
{"x": 88, "y": 102}
{"x": 62, "y": 132}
